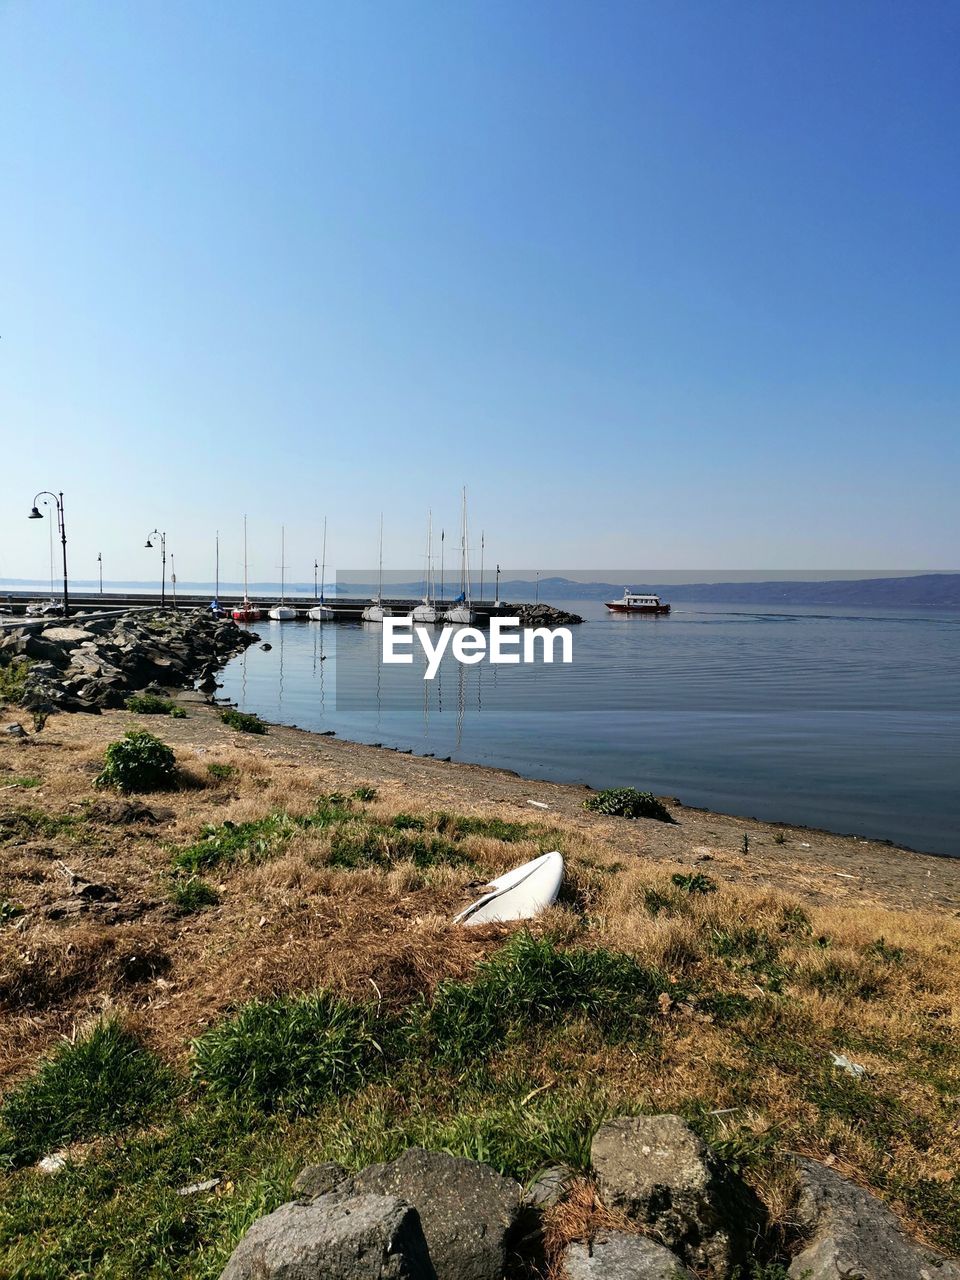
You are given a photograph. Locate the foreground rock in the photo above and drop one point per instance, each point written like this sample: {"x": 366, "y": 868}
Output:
{"x": 98, "y": 665}
{"x": 341, "y": 1235}
{"x": 658, "y": 1171}
{"x": 468, "y": 1210}
{"x": 614, "y": 1255}
{"x": 851, "y": 1233}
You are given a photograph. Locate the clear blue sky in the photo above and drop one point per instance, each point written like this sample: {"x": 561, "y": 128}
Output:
{"x": 666, "y": 284}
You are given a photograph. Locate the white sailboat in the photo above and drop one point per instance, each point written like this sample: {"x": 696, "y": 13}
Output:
{"x": 321, "y": 612}
{"x": 425, "y": 611}
{"x": 375, "y": 612}
{"x": 461, "y": 614}
{"x": 282, "y": 612}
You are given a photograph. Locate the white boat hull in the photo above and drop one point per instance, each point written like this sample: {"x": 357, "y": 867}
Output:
{"x": 282, "y": 613}
{"x": 461, "y": 615}
{"x": 424, "y": 613}
{"x": 520, "y": 894}
{"x": 320, "y": 613}
{"x": 374, "y": 613}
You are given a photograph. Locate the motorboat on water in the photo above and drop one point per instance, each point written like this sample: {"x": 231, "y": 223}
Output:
{"x": 634, "y": 602}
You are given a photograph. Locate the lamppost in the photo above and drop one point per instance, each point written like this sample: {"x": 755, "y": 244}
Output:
{"x": 100, "y": 569}
{"x": 163, "y": 563}
{"x": 36, "y": 514}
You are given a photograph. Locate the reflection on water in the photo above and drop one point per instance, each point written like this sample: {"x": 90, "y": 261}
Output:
{"x": 848, "y": 721}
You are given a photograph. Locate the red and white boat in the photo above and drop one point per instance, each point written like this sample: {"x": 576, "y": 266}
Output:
{"x": 632, "y": 602}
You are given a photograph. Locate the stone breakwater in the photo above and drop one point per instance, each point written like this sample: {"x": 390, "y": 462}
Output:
{"x": 537, "y": 615}
{"x": 94, "y": 663}
{"x": 431, "y": 1216}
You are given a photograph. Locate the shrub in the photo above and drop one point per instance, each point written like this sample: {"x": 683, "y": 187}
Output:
{"x": 101, "y": 1082}
{"x": 149, "y": 704}
{"x": 695, "y": 882}
{"x": 242, "y": 721}
{"x": 13, "y": 676}
{"x": 289, "y": 1054}
{"x": 193, "y": 894}
{"x": 627, "y": 802}
{"x": 530, "y": 984}
{"x": 139, "y": 761}
{"x": 407, "y": 822}
{"x": 365, "y": 792}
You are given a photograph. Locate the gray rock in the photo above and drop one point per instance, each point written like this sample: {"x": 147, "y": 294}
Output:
{"x": 851, "y": 1235}
{"x": 613, "y": 1255}
{"x": 549, "y": 1188}
{"x": 658, "y": 1171}
{"x": 467, "y": 1209}
{"x": 336, "y": 1237}
{"x": 15, "y": 730}
{"x": 319, "y": 1179}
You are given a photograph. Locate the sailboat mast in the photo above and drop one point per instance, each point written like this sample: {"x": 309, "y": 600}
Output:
{"x": 481, "y": 564}
{"x": 245, "y": 593}
{"x": 216, "y": 593}
{"x": 282, "y": 558}
{"x": 380, "y": 570}
{"x": 323, "y": 558}
{"x": 428, "y": 580}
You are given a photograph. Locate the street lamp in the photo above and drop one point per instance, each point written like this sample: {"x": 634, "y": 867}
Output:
{"x": 36, "y": 514}
{"x": 163, "y": 563}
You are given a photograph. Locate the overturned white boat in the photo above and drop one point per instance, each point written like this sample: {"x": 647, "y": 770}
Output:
{"x": 519, "y": 894}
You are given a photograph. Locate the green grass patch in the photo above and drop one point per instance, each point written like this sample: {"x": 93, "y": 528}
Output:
{"x": 458, "y": 826}
{"x": 221, "y": 772}
{"x": 26, "y": 781}
{"x": 289, "y": 1054}
{"x": 627, "y": 802}
{"x": 191, "y": 894}
{"x": 242, "y": 721}
{"x": 21, "y": 825}
{"x": 140, "y": 762}
{"x": 98, "y": 1084}
{"x": 530, "y": 985}
{"x": 151, "y": 704}
{"x": 231, "y": 843}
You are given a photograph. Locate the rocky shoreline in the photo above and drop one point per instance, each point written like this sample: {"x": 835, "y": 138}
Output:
{"x": 93, "y": 663}
{"x": 680, "y": 1212}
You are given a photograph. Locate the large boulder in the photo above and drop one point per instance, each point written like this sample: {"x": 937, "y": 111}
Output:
{"x": 852, "y": 1234}
{"x": 658, "y": 1171}
{"x": 336, "y": 1237}
{"x": 614, "y": 1255}
{"x": 467, "y": 1209}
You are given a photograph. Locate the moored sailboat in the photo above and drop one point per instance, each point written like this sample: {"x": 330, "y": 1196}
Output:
{"x": 321, "y": 612}
{"x": 425, "y": 611}
{"x": 375, "y": 612}
{"x": 282, "y": 612}
{"x": 461, "y": 614}
{"x": 246, "y": 612}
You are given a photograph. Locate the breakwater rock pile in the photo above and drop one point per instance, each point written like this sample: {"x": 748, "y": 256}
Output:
{"x": 537, "y": 615}
{"x": 93, "y": 663}
{"x": 681, "y": 1212}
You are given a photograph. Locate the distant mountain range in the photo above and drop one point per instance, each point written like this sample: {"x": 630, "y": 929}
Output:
{"x": 928, "y": 590}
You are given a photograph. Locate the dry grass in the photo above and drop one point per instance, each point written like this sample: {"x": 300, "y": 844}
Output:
{"x": 777, "y": 980}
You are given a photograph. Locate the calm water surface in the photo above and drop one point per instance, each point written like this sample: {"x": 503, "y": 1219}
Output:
{"x": 848, "y": 720}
